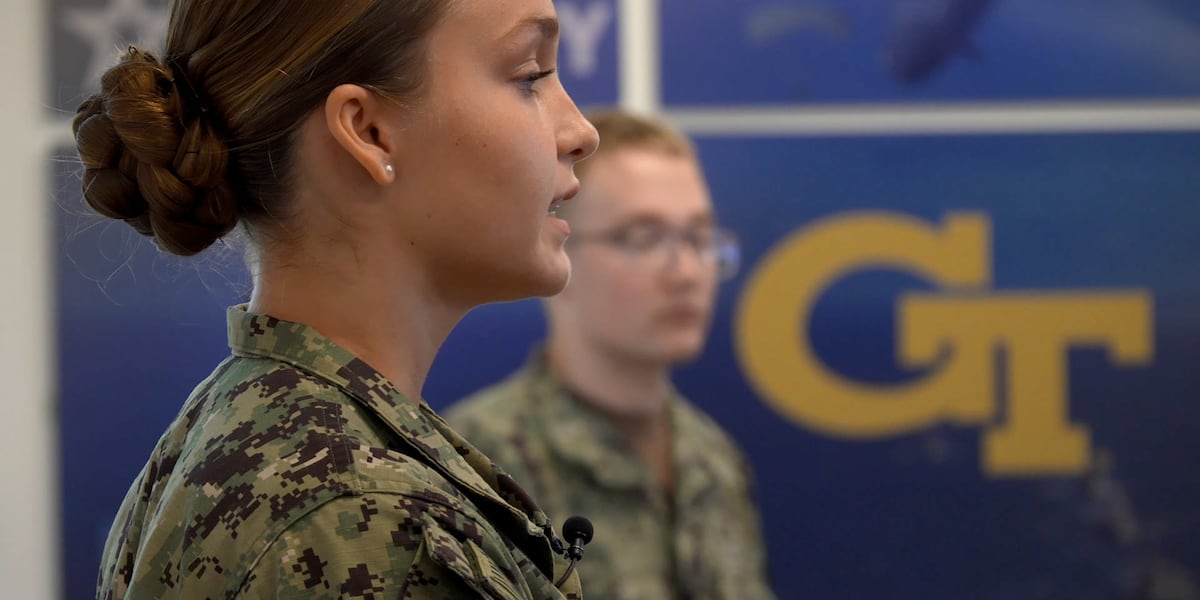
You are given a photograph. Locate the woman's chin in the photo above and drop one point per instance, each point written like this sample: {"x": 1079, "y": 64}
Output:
{"x": 556, "y": 275}
{"x": 544, "y": 278}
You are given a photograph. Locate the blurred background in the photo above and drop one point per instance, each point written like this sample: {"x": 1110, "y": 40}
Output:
{"x": 962, "y": 352}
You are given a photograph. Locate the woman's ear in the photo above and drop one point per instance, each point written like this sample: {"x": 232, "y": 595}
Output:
{"x": 355, "y": 119}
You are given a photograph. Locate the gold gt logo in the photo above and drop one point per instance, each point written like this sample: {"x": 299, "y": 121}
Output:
{"x": 966, "y": 321}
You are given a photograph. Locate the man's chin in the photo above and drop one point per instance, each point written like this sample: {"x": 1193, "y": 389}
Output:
{"x": 676, "y": 354}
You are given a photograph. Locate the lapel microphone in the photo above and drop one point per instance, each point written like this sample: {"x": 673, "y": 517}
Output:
{"x": 577, "y": 531}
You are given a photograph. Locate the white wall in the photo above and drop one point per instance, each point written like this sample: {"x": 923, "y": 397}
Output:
{"x": 28, "y": 450}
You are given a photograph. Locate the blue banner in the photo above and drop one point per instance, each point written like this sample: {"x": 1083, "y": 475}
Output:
{"x": 794, "y": 52}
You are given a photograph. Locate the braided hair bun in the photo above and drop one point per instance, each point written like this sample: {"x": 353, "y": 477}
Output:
{"x": 152, "y": 156}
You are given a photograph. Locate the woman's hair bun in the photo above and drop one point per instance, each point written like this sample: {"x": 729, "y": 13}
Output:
{"x": 152, "y": 156}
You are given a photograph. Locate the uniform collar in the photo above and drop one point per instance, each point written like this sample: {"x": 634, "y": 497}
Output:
{"x": 583, "y": 436}
{"x": 303, "y": 347}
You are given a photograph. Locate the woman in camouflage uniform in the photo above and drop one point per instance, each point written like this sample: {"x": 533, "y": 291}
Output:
{"x": 392, "y": 163}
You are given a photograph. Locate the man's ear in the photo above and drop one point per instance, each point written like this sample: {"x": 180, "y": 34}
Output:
{"x": 356, "y": 120}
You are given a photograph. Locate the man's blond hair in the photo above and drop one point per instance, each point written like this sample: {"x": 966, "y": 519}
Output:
{"x": 622, "y": 130}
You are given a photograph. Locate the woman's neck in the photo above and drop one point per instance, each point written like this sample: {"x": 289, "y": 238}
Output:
{"x": 381, "y": 314}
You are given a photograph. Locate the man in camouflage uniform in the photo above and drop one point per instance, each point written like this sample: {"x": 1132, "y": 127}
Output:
{"x": 592, "y": 425}
{"x": 320, "y": 480}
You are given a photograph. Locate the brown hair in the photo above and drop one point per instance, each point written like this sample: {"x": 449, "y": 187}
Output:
{"x": 622, "y": 130}
{"x": 184, "y": 147}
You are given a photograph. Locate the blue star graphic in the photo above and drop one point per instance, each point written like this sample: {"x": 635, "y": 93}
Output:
{"x": 105, "y": 29}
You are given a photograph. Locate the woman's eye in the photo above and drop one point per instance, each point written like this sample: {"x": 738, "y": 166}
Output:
{"x": 529, "y": 80}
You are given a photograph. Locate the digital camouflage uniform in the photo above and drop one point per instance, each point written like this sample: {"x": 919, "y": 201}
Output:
{"x": 703, "y": 542}
{"x": 297, "y": 471}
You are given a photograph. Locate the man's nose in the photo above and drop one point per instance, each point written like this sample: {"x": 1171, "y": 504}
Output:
{"x": 684, "y": 260}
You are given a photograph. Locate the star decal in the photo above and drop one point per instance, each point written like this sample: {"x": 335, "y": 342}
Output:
{"x": 111, "y": 28}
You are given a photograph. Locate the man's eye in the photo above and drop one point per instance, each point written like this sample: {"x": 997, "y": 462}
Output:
{"x": 642, "y": 239}
{"x": 701, "y": 239}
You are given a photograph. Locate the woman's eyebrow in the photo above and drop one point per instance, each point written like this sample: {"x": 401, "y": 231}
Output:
{"x": 545, "y": 26}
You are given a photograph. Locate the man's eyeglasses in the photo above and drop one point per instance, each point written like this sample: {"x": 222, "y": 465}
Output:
{"x": 654, "y": 246}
